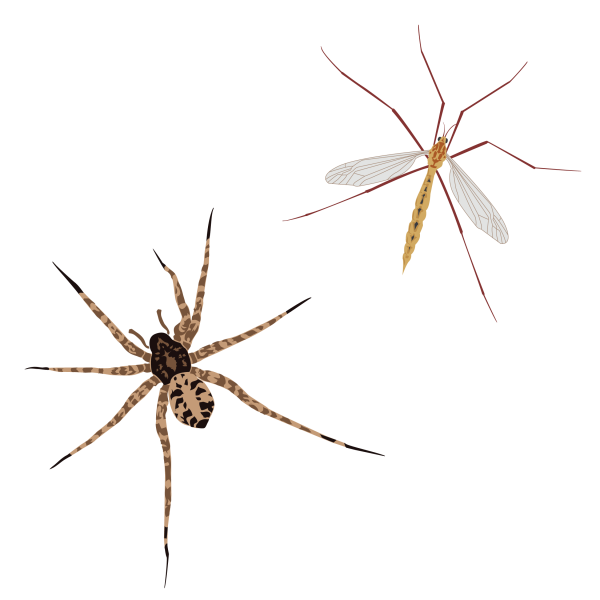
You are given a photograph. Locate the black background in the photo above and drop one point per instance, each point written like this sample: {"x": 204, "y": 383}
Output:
{"x": 134, "y": 138}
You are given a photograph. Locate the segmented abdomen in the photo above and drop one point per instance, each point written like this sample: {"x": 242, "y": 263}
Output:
{"x": 191, "y": 401}
{"x": 418, "y": 216}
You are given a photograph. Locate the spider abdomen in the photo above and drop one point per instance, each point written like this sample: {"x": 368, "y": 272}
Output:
{"x": 168, "y": 357}
{"x": 191, "y": 400}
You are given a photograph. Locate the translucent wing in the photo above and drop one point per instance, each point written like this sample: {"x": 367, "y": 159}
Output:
{"x": 474, "y": 202}
{"x": 373, "y": 170}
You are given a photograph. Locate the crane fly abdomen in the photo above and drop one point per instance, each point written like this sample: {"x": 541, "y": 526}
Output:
{"x": 191, "y": 400}
{"x": 436, "y": 158}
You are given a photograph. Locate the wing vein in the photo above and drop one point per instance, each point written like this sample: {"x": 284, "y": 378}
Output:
{"x": 367, "y": 171}
{"x": 476, "y": 204}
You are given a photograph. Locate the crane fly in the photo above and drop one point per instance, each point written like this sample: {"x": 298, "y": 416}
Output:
{"x": 470, "y": 197}
{"x": 391, "y": 167}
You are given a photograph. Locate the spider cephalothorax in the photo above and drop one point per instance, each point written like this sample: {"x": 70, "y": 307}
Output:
{"x": 169, "y": 358}
{"x": 184, "y": 385}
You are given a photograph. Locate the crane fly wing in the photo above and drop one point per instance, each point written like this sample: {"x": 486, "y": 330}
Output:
{"x": 372, "y": 170}
{"x": 474, "y": 202}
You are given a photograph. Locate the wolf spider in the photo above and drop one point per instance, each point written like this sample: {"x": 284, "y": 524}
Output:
{"x": 183, "y": 385}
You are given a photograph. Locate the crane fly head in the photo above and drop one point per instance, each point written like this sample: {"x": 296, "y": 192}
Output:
{"x": 437, "y": 154}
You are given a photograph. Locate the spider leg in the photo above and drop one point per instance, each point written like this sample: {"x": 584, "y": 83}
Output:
{"x": 133, "y": 399}
{"x": 116, "y": 332}
{"x": 128, "y": 370}
{"x": 181, "y": 327}
{"x": 192, "y": 330}
{"x": 236, "y": 390}
{"x": 215, "y": 347}
{"x": 163, "y": 435}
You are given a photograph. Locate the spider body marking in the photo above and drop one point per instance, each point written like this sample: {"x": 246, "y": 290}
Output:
{"x": 190, "y": 399}
{"x": 169, "y": 358}
{"x": 183, "y": 385}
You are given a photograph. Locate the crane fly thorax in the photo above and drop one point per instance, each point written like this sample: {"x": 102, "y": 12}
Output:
{"x": 437, "y": 154}
{"x": 169, "y": 358}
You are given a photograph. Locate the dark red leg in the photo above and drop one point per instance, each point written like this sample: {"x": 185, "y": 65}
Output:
{"x": 362, "y": 87}
{"x": 437, "y": 89}
{"x": 397, "y": 115}
{"x": 368, "y": 190}
{"x": 464, "y": 241}
{"x": 475, "y": 146}
{"x": 464, "y": 110}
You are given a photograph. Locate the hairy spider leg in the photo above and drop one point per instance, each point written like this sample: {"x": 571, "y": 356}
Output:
{"x": 184, "y": 310}
{"x": 163, "y": 400}
{"x": 163, "y": 435}
{"x": 215, "y": 347}
{"x": 139, "y": 393}
{"x": 127, "y": 370}
{"x": 225, "y": 343}
{"x": 185, "y": 331}
{"x": 116, "y": 332}
{"x": 236, "y": 390}
{"x": 192, "y": 331}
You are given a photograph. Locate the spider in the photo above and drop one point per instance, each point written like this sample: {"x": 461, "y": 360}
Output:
{"x": 183, "y": 385}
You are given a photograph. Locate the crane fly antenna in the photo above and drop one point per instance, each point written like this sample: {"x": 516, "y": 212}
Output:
{"x": 449, "y": 130}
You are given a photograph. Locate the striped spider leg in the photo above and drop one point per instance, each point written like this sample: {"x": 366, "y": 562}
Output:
{"x": 183, "y": 385}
